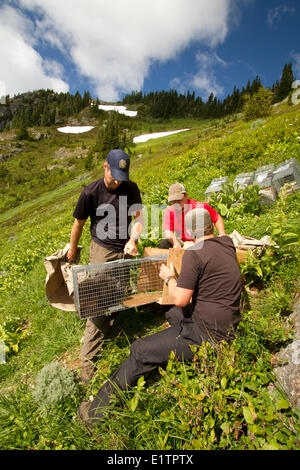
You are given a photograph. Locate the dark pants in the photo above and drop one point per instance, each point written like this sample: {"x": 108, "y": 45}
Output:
{"x": 148, "y": 353}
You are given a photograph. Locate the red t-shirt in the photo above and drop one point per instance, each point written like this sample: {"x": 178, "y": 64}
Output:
{"x": 174, "y": 220}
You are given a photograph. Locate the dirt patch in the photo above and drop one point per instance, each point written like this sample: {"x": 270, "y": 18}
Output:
{"x": 63, "y": 153}
{"x": 71, "y": 360}
{"x": 63, "y": 156}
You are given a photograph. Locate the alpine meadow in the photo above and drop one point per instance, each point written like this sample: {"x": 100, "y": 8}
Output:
{"x": 228, "y": 397}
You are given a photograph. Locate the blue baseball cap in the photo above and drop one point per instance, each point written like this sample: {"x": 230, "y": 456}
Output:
{"x": 119, "y": 163}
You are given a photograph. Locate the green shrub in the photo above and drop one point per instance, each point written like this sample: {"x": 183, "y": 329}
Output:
{"x": 258, "y": 105}
{"x": 12, "y": 334}
{"x": 54, "y": 383}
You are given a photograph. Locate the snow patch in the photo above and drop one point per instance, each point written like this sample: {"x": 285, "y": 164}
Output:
{"x": 118, "y": 109}
{"x": 75, "y": 129}
{"x": 156, "y": 135}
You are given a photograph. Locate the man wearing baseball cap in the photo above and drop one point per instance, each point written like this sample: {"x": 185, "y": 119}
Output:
{"x": 210, "y": 277}
{"x": 174, "y": 217}
{"x": 110, "y": 203}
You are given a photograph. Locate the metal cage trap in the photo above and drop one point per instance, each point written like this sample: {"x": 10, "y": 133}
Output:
{"x": 100, "y": 289}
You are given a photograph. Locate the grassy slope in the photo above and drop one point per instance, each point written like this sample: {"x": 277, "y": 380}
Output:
{"x": 42, "y": 225}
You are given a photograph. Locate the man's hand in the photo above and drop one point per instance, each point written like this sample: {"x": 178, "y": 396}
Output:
{"x": 71, "y": 254}
{"x": 131, "y": 248}
{"x": 166, "y": 271}
{"x": 171, "y": 237}
{"x": 176, "y": 244}
{"x": 182, "y": 297}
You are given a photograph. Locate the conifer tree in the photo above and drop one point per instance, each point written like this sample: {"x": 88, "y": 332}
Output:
{"x": 255, "y": 86}
{"x": 286, "y": 81}
{"x": 45, "y": 118}
{"x": 86, "y": 99}
{"x": 275, "y": 91}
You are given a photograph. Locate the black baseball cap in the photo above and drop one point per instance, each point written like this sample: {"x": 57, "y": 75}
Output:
{"x": 119, "y": 163}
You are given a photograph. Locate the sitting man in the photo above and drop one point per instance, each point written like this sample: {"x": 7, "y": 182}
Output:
{"x": 173, "y": 224}
{"x": 209, "y": 278}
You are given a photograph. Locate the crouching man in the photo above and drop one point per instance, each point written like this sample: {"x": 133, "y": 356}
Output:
{"x": 207, "y": 300}
{"x": 174, "y": 226}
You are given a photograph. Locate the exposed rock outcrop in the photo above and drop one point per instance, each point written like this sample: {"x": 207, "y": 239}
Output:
{"x": 288, "y": 374}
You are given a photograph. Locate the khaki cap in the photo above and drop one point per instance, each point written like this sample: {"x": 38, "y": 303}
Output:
{"x": 176, "y": 192}
{"x": 197, "y": 220}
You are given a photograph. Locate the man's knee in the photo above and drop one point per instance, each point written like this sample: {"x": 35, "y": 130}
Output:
{"x": 175, "y": 316}
{"x": 139, "y": 349}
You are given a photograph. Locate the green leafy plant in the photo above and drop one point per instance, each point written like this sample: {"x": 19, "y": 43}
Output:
{"x": 234, "y": 201}
{"x": 215, "y": 402}
{"x": 12, "y": 334}
{"x": 134, "y": 401}
{"x": 283, "y": 231}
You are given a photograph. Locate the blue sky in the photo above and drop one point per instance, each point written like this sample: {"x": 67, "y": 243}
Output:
{"x": 111, "y": 48}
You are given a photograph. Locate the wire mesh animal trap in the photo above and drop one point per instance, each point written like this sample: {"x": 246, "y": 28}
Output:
{"x": 101, "y": 289}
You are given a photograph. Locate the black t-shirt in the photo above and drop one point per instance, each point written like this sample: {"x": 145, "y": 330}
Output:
{"x": 110, "y": 212}
{"x": 211, "y": 270}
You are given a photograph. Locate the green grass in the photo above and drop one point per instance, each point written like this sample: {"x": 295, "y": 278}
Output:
{"x": 222, "y": 399}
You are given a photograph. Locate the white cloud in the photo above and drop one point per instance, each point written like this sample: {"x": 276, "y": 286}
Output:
{"x": 296, "y": 58}
{"x": 209, "y": 59}
{"x": 22, "y": 68}
{"x": 206, "y": 84}
{"x": 204, "y": 81}
{"x": 113, "y": 43}
{"x": 275, "y": 14}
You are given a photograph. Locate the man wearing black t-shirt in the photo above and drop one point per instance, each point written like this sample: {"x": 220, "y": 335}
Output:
{"x": 110, "y": 203}
{"x": 207, "y": 308}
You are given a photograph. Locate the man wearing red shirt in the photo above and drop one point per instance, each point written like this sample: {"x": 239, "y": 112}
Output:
{"x": 174, "y": 225}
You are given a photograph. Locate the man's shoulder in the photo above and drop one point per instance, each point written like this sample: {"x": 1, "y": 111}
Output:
{"x": 199, "y": 204}
{"x": 192, "y": 203}
{"x": 210, "y": 242}
{"x": 224, "y": 241}
{"x": 131, "y": 184}
{"x": 94, "y": 186}
{"x": 129, "y": 188}
{"x": 202, "y": 205}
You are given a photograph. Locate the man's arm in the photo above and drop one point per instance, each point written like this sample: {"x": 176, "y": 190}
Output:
{"x": 168, "y": 228}
{"x": 74, "y": 239}
{"x": 220, "y": 226}
{"x": 137, "y": 227}
{"x": 215, "y": 216}
{"x": 171, "y": 237}
{"x": 180, "y": 295}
